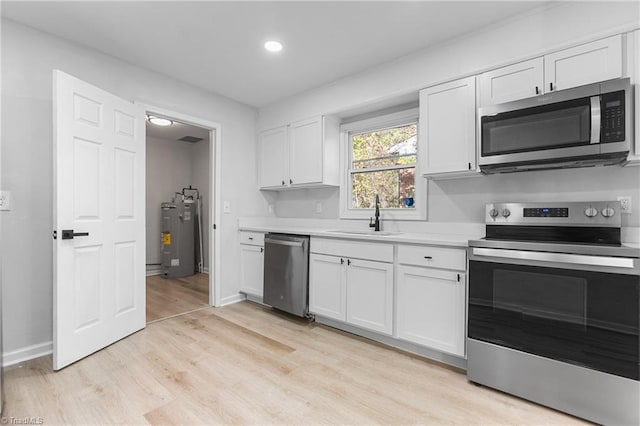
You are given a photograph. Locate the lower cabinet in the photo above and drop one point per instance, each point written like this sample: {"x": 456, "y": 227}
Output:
{"x": 430, "y": 308}
{"x": 252, "y": 264}
{"x": 357, "y": 291}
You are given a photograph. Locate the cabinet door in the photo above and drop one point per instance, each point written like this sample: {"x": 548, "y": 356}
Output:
{"x": 633, "y": 50}
{"x": 517, "y": 81}
{"x": 327, "y": 291}
{"x": 448, "y": 127}
{"x": 584, "y": 64}
{"x": 430, "y": 308}
{"x": 273, "y": 158}
{"x": 305, "y": 152}
{"x": 370, "y": 295}
{"x": 252, "y": 265}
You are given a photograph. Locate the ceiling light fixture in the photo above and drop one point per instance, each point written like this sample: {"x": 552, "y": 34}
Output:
{"x": 159, "y": 121}
{"x": 273, "y": 46}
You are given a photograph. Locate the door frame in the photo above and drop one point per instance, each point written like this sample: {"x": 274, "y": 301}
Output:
{"x": 215, "y": 171}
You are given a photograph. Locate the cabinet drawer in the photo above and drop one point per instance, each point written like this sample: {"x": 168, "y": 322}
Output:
{"x": 381, "y": 252}
{"x": 252, "y": 238}
{"x": 435, "y": 257}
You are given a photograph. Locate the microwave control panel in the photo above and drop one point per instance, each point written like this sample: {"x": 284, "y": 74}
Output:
{"x": 612, "y": 119}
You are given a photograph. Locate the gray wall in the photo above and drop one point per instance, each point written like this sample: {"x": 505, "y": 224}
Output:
{"x": 28, "y": 58}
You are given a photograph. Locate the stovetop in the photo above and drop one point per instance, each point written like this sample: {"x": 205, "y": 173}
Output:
{"x": 561, "y": 227}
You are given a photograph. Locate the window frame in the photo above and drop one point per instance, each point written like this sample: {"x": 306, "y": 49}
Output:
{"x": 400, "y": 118}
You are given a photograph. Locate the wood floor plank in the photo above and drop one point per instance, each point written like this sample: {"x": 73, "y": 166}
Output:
{"x": 246, "y": 364}
{"x": 167, "y": 297}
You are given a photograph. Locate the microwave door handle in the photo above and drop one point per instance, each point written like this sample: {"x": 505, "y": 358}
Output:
{"x": 595, "y": 119}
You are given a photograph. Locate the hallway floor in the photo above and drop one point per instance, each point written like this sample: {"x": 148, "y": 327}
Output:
{"x": 167, "y": 297}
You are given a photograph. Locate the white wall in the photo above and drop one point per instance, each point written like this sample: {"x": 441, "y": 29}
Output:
{"x": 28, "y": 58}
{"x": 557, "y": 26}
{"x": 170, "y": 166}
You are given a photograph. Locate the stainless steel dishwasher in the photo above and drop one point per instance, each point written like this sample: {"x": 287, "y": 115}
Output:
{"x": 286, "y": 273}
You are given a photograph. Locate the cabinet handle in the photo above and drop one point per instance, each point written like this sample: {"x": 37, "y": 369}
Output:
{"x": 348, "y": 262}
{"x": 428, "y": 257}
{"x": 537, "y": 90}
{"x": 282, "y": 183}
{"x": 290, "y": 181}
{"x": 458, "y": 277}
{"x": 341, "y": 261}
{"x": 250, "y": 238}
{"x": 261, "y": 249}
{"x": 469, "y": 165}
{"x": 551, "y": 86}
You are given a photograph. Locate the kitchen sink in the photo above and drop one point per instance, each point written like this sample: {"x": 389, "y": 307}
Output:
{"x": 362, "y": 232}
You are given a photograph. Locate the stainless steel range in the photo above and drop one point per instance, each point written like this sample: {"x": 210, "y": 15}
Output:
{"x": 554, "y": 309}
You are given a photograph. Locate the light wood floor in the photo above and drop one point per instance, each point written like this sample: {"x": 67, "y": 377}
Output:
{"x": 245, "y": 364}
{"x": 172, "y": 296}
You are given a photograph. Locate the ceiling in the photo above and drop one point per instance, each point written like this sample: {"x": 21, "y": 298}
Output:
{"x": 218, "y": 46}
{"x": 176, "y": 131}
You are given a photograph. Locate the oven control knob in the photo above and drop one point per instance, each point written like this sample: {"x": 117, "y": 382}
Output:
{"x": 494, "y": 213}
{"x": 608, "y": 212}
{"x": 591, "y": 212}
{"x": 506, "y": 213}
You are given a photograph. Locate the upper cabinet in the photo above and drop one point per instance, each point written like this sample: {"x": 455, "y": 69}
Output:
{"x": 517, "y": 81}
{"x": 448, "y": 128}
{"x": 301, "y": 154}
{"x": 588, "y": 63}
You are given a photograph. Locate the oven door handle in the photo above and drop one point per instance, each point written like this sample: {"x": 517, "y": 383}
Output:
{"x": 576, "y": 259}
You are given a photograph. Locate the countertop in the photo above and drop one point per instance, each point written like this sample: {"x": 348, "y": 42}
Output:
{"x": 440, "y": 239}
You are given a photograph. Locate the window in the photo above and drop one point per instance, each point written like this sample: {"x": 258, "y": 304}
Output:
{"x": 381, "y": 159}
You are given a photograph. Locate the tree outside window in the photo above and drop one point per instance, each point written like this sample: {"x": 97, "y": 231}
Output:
{"x": 383, "y": 162}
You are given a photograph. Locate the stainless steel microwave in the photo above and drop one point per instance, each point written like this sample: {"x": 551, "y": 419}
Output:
{"x": 584, "y": 126}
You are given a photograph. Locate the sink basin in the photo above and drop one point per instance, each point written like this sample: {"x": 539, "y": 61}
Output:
{"x": 362, "y": 232}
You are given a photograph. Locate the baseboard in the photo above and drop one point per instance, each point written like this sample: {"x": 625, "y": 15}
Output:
{"x": 26, "y": 353}
{"x": 205, "y": 270}
{"x": 229, "y": 300}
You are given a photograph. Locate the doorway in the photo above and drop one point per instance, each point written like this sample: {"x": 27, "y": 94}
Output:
{"x": 181, "y": 170}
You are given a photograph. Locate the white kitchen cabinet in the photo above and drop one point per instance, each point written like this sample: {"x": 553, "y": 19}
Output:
{"x": 301, "y": 154}
{"x": 327, "y": 286}
{"x": 251, "y": 263}
{"x": 588, "y": 63}
{"x": 344, "y": 287}
{"x": 274, "y": 158}
{"x": 431, "y": 308}
{"x": 584, "y": 64}
{"x": 430, "y": 297}
{"x": 370, "y": 295}
{"x": 517, "y": 81}
{"x": 448, "y": 128}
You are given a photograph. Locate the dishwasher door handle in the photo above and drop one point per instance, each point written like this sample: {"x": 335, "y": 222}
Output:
{"x": 284, "y": 242}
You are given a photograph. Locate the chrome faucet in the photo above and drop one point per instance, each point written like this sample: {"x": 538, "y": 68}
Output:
{"x": 376, "y": 224}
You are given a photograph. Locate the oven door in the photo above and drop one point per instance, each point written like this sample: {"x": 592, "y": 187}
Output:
{"x": 583, "y": 310}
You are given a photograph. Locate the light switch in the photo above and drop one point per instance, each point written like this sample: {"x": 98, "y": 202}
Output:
{"x": 226, "y": 207}
{"x": 5, "y": 200}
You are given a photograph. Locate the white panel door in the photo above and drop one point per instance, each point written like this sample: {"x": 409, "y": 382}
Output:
{"x": 327, "y": 291}
{"x": 252, "y": 273}
{"x": 305, "y": 152}
{"x": 448, "y": 127}
{"x": 99, "y": 189}
{"x": 370, "y": 295}
{"x": 517, "y": 81}
{"x": 430, "y": 306}
{"x": 273, "y": 158}
{"x": 584, "y": 64}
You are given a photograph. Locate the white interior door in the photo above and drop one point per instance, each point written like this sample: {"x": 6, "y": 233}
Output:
{"x": 99, "y": 278}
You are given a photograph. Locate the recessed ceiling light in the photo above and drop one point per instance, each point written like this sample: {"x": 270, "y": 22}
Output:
{"x": 158, "y": 121}
{"x": 273, "y": 46}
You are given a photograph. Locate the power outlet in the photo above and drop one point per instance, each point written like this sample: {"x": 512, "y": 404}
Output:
{"x": 318, "y": 207}
{"x": 5, "y": 200}
{"x": 625, "y": 204}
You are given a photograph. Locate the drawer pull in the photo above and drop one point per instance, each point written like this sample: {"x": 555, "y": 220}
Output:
{"x": 250, "y": 238}
{"x": 428, "y": 257}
